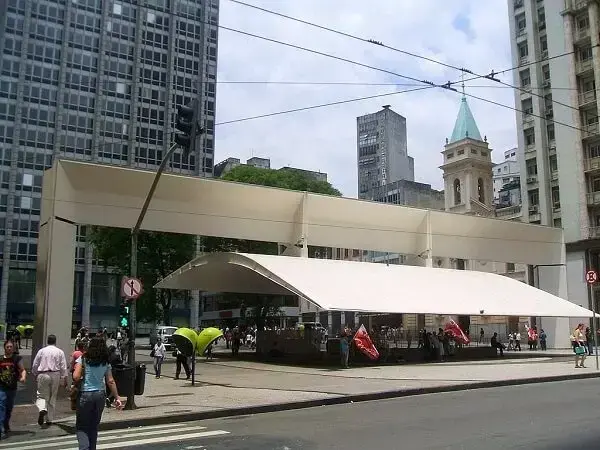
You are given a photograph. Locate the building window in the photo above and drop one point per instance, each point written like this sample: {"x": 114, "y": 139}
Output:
{"x": 456, "y": 190}
{"x": 553, "y": 163}
{"x": 534, "y": 198}
{"x": 555, "y": 197}
{"x": 27, "y": 179}
{"x": 525, "y": 76}
{"x": 117, "y": 9}
{"x": 531, "y": 167}
{"x": 480, "y": 190}
{"x": 546, "y": 72}
{"x": 527, "y": 108}
{"x": 521, "y": 23}
{"x": 150, "y": 17}
{"x": 523, "y": 51}
{"x": 550, "y": 131}
{"x": 544, "y": 44}
{"x": 510, "y": 267}
{"x": 529, "y": 135}
{"x": 594, "y": 151}
{"x": 25, "y": 202}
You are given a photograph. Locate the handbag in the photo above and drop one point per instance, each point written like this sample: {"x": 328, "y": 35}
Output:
{"x": 152, "y": 353}
{"x": 75, "y": 390}
{"x": 580, "y": 350}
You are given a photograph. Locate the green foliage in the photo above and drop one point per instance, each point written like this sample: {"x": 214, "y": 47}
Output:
{"x": 158, "y": 255}
{"x": 286, "y": 178}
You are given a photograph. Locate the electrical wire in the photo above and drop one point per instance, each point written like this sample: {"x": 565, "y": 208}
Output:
{"x": 490, "y": 76}
{"x": 446, "y": 86}
{"x": 323, "y": 105}
{"x": 358, "y": 83}
{"x": 288, "y": 111}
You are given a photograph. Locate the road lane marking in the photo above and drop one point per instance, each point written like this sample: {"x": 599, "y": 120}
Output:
{"x": 116, "y": 434}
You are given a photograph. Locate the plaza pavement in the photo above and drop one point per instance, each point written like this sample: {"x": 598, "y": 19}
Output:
{"x": 228, "y": 387}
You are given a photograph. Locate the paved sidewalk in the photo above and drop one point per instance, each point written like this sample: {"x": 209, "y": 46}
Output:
{"x": 230, "y": 387}
{"x": 242, "y": 387}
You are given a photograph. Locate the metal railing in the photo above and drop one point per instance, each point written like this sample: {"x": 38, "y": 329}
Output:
{"x": 593, "y": 198}
{"x": 583, "y": 66}
{"x": 590, "y": 130}
{"x": 588, "y": 97}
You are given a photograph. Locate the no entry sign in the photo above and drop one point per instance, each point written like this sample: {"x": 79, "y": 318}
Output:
{"x": 131, "y": 288}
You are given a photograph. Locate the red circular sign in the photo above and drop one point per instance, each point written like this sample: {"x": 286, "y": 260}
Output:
{"x": 591, "y": 276}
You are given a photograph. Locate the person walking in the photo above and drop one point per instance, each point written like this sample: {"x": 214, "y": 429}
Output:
{"x": 50, "y": 369}
{"x": 11, "y": 372}
{"x": 93, "y": 372}
{"x": 158, "y": 353}
{"x": 181, "y": 360}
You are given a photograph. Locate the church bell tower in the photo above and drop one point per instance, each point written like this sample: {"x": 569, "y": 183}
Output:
{"x": 467, "y": 167}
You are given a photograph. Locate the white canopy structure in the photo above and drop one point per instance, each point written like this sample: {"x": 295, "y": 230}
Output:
{"x": 370, "y": 287}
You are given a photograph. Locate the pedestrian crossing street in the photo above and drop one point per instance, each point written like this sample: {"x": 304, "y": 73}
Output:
{"x": 117, "y": 439}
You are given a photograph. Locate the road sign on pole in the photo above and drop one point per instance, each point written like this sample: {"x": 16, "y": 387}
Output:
{"x": 131, "y": 288}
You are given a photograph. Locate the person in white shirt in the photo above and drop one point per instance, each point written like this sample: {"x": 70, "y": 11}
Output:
{"x": 159, "y": 356}
{"x": 50, "y": 368}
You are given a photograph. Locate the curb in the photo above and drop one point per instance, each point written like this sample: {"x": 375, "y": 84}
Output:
{"x": 355, "y": 398}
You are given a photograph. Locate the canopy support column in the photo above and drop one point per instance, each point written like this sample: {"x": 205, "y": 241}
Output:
{"x": 54, "y": 282}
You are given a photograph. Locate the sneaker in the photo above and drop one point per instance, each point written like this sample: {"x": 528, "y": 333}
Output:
{"x": 6, "y": 428}
{"x": 41, "y": 418}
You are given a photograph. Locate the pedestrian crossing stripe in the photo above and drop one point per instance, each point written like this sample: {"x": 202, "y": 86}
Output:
{"x": 122, "y": 438}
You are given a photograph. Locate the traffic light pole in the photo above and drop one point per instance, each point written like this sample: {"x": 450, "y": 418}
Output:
{"x": 134, "y": 266}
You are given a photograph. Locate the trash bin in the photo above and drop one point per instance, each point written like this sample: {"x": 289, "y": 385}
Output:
{"x": 123, "y": 375}
{"x": 140, "y": 379}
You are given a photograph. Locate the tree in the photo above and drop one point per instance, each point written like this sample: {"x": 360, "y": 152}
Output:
{"x": 260, "y": 307}
{"x": 159, "y": 254}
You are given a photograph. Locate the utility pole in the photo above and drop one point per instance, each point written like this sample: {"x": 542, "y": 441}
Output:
{"x": 187, "y": 124}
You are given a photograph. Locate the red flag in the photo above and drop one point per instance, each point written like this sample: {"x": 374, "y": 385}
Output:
{"x": 456, "y": 331}
{"x": 365, "y": 344}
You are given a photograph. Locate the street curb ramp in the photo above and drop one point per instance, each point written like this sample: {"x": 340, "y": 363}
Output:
{"x": 340, "y": 400}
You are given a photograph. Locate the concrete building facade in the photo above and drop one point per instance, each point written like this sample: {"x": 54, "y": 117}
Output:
{"x": 97, "y": 81}
{"x": 555, "y": 43}
{"x": 382, "y": 154}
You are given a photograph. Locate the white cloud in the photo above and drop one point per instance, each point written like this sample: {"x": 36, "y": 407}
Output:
{"x": 325, "y": 139}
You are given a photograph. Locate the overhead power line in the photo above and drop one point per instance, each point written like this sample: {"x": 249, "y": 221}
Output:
{"x": 323, "y": 105}
{"x": 491, "y": 76}
{"x": 363, "y": 84}
{"x": 448, "y": 86}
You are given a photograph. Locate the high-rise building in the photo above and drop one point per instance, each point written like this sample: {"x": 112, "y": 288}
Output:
{"x": 381, "y": 150}
{"x": 99, "y": 81}
{"x": 556, "y": 43}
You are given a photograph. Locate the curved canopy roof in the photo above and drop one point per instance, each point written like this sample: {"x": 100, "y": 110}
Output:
{"x": 370, "y": 287}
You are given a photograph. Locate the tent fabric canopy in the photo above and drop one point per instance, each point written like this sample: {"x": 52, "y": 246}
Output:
{"x": 370, "y": 287}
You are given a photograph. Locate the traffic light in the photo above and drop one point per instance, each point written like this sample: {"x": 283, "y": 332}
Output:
{"x": 124, "y": 315}
{"x": 187, "y": 124}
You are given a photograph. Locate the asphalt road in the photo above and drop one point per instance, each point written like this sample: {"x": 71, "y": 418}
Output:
{"x": 549, "y": 416}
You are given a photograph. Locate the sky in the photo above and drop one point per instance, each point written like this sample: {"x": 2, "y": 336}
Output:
{"x": 472, "y": 34}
